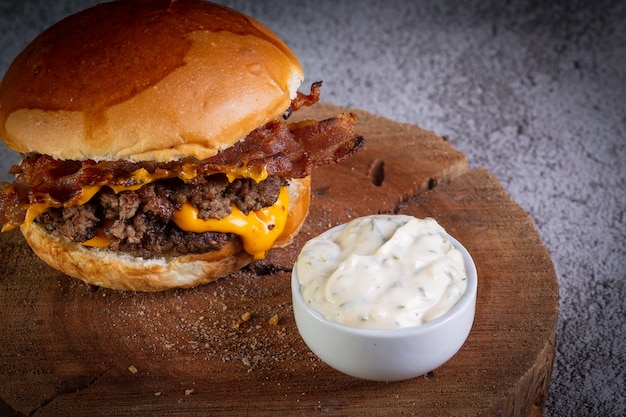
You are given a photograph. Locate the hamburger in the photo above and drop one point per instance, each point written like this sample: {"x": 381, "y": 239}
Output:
{"x": 156, "y": 145}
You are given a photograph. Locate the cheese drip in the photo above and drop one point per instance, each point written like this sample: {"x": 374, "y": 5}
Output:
{"x": 258, "y": 229}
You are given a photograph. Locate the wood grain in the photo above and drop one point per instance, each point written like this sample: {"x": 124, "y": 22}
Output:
{"x": 71, "y": 349}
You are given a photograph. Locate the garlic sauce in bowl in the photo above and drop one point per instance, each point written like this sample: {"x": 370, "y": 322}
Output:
{"x": 382, "y": 272}
{"x": 384, "y": 297}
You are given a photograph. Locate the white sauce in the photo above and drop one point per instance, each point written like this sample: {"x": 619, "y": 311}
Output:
{"x": 382, "y": 272}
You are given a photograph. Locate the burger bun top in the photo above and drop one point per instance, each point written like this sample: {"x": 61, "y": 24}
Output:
{"x": 146, "y": 81}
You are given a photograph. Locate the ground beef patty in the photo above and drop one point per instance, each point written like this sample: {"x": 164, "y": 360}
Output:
{"x": 139, "y": 222}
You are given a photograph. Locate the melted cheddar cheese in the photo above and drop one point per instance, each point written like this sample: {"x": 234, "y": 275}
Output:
{"x": 100, "y": 240}
{"x": 258, "y": 229}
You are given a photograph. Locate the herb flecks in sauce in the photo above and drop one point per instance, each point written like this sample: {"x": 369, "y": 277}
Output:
{"x": 383, "y": 272}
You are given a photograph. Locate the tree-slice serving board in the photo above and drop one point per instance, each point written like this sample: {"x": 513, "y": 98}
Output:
{"x": 232, "y": 348}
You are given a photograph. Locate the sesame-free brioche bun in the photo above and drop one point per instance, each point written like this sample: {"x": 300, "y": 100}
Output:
{"x": 120, "y": 271}
{"x": 146, "y": 81}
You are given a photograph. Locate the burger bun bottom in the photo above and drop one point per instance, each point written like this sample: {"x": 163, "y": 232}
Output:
{"x": 120, "y": 271}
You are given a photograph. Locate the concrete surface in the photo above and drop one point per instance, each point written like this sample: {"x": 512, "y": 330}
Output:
{"x": 534, "y": 91}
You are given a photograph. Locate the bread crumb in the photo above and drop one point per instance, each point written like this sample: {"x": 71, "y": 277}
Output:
{"x": 189, "y": 391}
{"x": 273, "y": 320}
{"x": 245, "y": 316}
{"x": 132, "y": 369}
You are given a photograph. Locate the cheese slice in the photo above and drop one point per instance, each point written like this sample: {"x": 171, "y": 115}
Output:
{"x": 258, "y": 230}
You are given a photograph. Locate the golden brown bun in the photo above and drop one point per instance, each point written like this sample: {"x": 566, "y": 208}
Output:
{"x": 104, "y": 268}
{"x": 125, "y": 272}
{"x": 139, "y": 81}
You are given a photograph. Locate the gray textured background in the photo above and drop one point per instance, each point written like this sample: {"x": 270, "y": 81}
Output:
{"x": 534, "y": 91}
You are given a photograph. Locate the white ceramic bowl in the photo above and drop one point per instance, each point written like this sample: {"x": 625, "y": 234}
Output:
{"x": 388, "y": 355}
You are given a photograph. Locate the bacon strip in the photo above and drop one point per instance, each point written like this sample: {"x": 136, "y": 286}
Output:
{"x": 293, "y": 150}
{"x": 306, "y": 100}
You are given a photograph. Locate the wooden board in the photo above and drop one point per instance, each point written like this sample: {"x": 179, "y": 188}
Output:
{"x": 74, "y": 350}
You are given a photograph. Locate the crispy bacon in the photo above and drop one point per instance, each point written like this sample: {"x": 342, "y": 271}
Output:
{"x": 306, "y": 100}
{"x": 290, "y": 150}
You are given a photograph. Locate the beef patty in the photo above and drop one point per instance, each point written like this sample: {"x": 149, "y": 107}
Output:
{"x": 140, "y": 222}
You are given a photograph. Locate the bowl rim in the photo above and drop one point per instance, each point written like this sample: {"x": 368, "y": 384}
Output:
{"x": 467, "y": 300}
